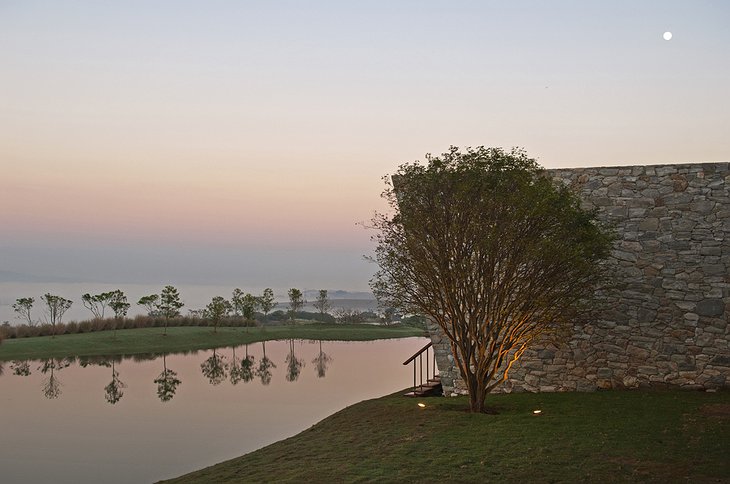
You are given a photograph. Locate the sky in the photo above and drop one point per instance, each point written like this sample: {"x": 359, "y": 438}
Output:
{"x": 241, "y": 142}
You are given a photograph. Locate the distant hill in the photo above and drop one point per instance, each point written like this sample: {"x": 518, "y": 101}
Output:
{"x": 311, "y": 294}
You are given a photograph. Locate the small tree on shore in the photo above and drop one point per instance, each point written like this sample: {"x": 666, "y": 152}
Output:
{"x": 150, "y": 303}
{"x": 56, "y": 306}
{"x": 491, "y": 250}
{"x": 22, "y": 307}
{"x": 169, "y": 304}
{"x": 217, "y": 310}
{"x": 97, "y": 303}
{"x": 248, "y": 306}
{"x": 322, "y": 304}
{"x": 266, "y": 302}
{"x": 237, "y": 302}
{"x": 296, "y": 302}
{"x": 118, "y": 303}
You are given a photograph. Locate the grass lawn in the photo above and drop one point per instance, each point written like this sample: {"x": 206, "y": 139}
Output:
{"x": 629, "y": 436}
{"x": 151, "y": 340}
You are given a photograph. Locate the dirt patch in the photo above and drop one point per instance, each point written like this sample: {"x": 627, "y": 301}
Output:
{"x": 717, "y": 410}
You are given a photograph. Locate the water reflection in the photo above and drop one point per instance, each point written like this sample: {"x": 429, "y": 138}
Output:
{"x": 52, "y": 385}
{"x": 241, "y": 369}
{"x": 294, "y": 365}
{"x": 265, "y": 367}
{"x": 20, "y": 368}
{"x": 321, "y": 362}
{"x": 113, "y": 391}
{"x": 214, "y": 368}
{"x": 167, "y": 382}
{"x": 161, "y": 436}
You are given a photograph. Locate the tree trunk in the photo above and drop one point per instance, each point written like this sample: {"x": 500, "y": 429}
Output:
{"x": 477, "y": 394}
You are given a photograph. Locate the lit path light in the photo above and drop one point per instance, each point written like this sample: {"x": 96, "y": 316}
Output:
{"x": 537, "y": 412}
{"x": 422, "y": 405}
{"x": 667, "y": 36}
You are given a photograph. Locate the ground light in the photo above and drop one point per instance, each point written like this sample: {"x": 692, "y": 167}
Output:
{"x": 422, "y": 405}
{"x": 537, "y": 412}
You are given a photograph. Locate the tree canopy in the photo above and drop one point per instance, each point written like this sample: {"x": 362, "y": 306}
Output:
{"x": 488, "y": 247}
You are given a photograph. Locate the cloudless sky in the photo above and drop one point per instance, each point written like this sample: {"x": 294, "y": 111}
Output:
{"x": 239, "y": 142}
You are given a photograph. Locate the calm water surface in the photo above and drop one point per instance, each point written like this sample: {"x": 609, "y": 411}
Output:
{"x": 107, "y": 420}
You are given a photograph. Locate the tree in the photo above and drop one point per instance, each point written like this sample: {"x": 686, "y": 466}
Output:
{"x": 23, "y": 306}
{"x": 249, "y": 305}
{"x": 169, "y": 304}
{"x": 266, "y": 302}
{"x": 118, "y": 303}
{"x": 56, "y": 306}
{"x": 491, "y": 250}
{"x": 97, "y": 303}
{"x": 296, "y": 302}
{"x": 216, "y": 310}
{"x": 322, "y": 304}
{"x": 237, "y": 302}
{"x": 150, "y": 303}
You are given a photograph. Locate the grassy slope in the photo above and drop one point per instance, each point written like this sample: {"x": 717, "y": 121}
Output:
{"x": 637, "y": 436}
{"x": 151, "y": 340}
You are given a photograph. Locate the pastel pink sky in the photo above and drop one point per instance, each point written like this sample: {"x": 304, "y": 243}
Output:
{"x": 264, "y": 130}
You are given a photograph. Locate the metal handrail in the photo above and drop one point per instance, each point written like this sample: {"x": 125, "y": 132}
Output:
{"x": 419, "y": 355}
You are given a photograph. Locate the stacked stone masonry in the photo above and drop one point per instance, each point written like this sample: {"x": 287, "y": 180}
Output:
{"x": 668, "y": 325}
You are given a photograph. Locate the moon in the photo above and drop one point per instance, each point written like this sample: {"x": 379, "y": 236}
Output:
{"x": 667, "y": 36}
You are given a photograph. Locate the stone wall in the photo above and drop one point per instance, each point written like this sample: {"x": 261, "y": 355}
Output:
{"x": 669, "y": 323}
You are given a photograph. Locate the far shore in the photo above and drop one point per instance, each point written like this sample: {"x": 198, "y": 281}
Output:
{"x": 188, "y": 338}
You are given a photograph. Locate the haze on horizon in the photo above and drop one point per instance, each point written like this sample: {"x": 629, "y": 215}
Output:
{"x": 240, "y": 142}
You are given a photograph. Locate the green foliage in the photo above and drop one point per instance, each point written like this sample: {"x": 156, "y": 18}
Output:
{"x": 169, "y": 304}
{"x": 150, "y": 303}
{"x": 22, "y": 306}
{"x": 322, "y": 304}
{"x": 296, "y": 302}
{"x": 97, "y": 303}
{"x": 237, "y": 302}
{"x": 118, "y": 303}
{"x": 248, "y": 306}
{"x": 266, "y": 301}
{"x": 217, "y": 310}
{"x": 56, "y": 306}
{"x": 488, "y": 247}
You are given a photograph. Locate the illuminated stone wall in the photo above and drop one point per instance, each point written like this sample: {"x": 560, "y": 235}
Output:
{"x": 669, "y": 324}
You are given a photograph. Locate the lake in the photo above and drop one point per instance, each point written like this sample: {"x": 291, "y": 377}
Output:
{"x": 145, "y": 419}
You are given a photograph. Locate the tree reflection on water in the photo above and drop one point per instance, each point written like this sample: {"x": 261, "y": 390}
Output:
{"x": 265, "y": 366}
{"x": 167, "y": 383}
{"x": 113, "y": 391}
{"x": 321, "y": 362}
{"x": 241, "y": 369}
{"x": 214, "y": 369}
{"x": 52, "y": 385}
{"x": 294, "y": 365}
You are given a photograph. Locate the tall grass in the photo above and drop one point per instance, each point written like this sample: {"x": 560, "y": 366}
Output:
{"x": 111, "y": 324}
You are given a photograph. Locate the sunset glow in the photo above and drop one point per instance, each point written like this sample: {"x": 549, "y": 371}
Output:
{"x": 265, "y": 129}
